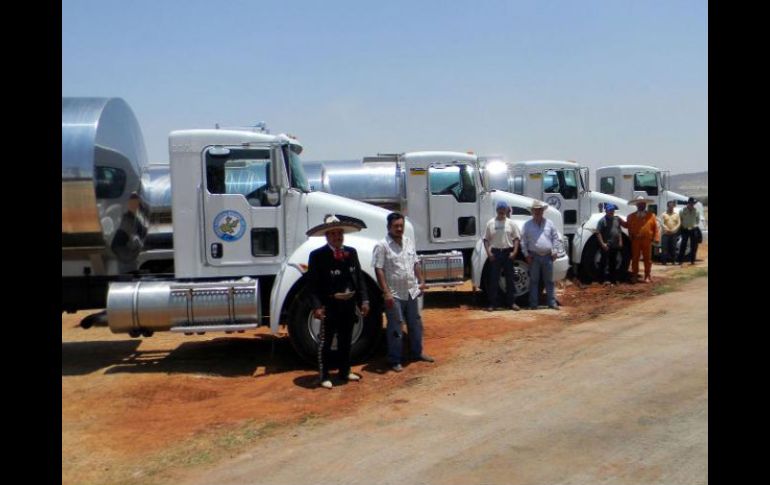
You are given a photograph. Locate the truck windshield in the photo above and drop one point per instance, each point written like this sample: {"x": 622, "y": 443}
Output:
{"x": 456, "y": 180}
{"x": 646, "y": 181}
{"x": 297, "y": 177}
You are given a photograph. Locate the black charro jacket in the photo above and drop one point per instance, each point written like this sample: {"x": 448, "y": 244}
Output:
{"x": 327, "y": 276}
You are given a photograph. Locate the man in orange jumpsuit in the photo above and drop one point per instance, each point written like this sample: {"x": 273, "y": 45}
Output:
{"x": 642, "y": 229}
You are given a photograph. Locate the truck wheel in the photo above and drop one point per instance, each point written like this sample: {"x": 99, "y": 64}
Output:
{"x": 589, "y": 261}
{"x": 304, "y": 329}
{"x": 520, "y": 283}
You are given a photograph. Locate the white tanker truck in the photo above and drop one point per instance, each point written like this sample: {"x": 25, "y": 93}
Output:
{"x": 633, "y": 180}
{"x": 564, "y": 185}
{"x": 444, "y": 196}
{"x": 240, "y": 211}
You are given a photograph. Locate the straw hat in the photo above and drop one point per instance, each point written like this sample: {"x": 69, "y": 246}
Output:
{"x": 332, "y": 222}
{"x": 639, "y": 200}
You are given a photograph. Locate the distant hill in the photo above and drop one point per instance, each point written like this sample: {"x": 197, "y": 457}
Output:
{"x": 695, "y": 184}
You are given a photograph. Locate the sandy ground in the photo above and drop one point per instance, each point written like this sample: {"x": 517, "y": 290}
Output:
{"x": 621, "y": 399}
{"x": 586, "y": 395}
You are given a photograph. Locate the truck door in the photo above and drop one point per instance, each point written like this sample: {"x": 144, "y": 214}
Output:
{"x": 243, "y": 206}
{"x": 453, "y": 202}
{"x": 560, "y": 191}
{"x": 586, "y": 207}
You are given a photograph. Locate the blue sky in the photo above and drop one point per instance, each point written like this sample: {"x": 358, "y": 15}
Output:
{"x": 600, "y": 82}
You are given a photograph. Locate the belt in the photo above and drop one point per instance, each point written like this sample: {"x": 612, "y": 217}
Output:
{"x": 502, "y": 249}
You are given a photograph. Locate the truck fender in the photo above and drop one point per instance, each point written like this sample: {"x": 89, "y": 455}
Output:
{"x": 584, "y": 234}
{"x": 478, "y": 259}
{"x": 295, "y": 268}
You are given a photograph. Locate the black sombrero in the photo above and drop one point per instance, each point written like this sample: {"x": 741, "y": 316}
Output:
{"x": 332, "y": 222}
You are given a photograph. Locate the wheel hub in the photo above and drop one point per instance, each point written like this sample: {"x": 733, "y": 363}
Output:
{"x": 314, "y": 328}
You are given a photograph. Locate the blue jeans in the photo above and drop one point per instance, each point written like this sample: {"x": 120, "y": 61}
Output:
{"x": 408, "y": 311}
{"x": 541, "y": 266}
{"x": 688, "y": 235}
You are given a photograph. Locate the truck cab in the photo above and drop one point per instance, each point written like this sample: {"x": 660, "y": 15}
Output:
{"x": 630, "y": 181}
{"x": 565, "y": 186}
{"x": 445, "y": 197}
{"x": 240, "y": 208}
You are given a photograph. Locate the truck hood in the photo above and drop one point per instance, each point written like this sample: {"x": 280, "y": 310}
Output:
{"x": 597, "y": 197}
{"x": 319, "y": 204}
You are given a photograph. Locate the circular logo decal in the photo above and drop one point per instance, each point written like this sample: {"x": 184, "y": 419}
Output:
{"x": 229, "y": 226}
{"x": 554, "y": 202}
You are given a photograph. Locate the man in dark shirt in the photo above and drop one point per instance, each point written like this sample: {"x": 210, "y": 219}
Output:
{"x": 610, "y": 238}
{"x": 336, "y": 287}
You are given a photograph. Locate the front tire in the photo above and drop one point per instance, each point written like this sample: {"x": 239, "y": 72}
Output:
{"x": 521, "y": 283}
{"x": 304, "y": 328}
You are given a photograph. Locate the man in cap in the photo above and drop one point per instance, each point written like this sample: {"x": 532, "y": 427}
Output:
{"x": 501, "y": 241}
{"x": 540, "y": 244}
{"x": 610, "y": 238}
{"x": 336, "y": 287}
{"x": 690, "y": 220}
{"x": 671, "y": 225}
{"x": 398, "y": 273}
{"x": 642, "y": 229}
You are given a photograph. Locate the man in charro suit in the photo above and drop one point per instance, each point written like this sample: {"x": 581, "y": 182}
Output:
{"x": 336, "y": 288}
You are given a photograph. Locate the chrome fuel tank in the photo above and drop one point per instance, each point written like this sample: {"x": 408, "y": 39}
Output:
{"x": 187, "y": 307}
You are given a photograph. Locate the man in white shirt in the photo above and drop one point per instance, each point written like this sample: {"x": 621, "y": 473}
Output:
{"x": 398, "y": 273}
{"x": 541, "y": 245}
{"x": 501, "y": 242}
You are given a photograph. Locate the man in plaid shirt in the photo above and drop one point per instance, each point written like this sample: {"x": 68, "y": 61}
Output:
{"x": 399, "y": 275}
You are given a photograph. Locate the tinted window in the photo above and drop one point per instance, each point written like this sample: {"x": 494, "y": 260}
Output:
{"x": 570, "y": 185}
{"x": 646, "y": 181}
{"x": 518, "y": 184}
{"x": 297, "y": 177}
{"x": 562, "y": 182}
{"x": 264, "y": 241}
{"x": 110, "y": 182}
{"x": 466, "y": 226}
{"x": 607, "y": 185}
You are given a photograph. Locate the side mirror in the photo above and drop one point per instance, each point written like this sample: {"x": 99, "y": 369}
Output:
{"x": 273, "y": 196}
{"x": 584, "y": 177}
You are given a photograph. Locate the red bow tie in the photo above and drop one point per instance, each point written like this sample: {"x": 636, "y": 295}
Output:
{"x": 339, "y": 254}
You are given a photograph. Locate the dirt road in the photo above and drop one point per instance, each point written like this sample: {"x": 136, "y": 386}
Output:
{"x": 165, "y": 409}
{"x": 619, "y": 399}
